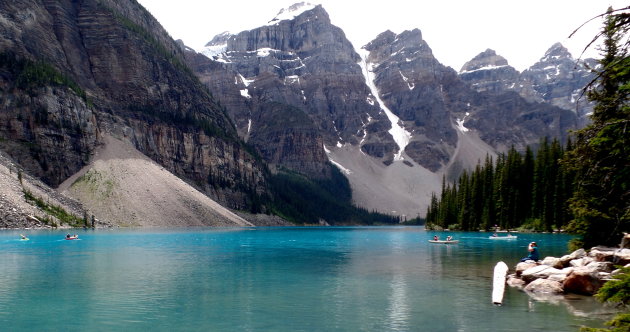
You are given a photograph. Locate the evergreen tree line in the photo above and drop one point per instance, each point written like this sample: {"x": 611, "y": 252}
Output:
{"x": 519, "y": 190}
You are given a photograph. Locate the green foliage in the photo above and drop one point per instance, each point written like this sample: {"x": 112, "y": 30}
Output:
{"x": 621, "y": 323}
{"x": 53, "y": 210}
{"x": 601, "y": 157}
{"x": 616, "y": 291}
{"x": 30, "y": 75}
{"x": 520, "y": 190}
{"x": 532, "y": 225}
{"x": 304, "y": 201}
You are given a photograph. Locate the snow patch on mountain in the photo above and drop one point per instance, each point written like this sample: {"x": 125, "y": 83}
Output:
{"x": 264, "y": 52}
{"x": 488, "y": 67}
{"x": 460, "y": 123}
{"x": 399, "y": 133}
{"x": 409, "y": 85}
{"x": 341, "y": 168}
{"x": 245, "y": 81}
{"x": 291, "y": 12}
{"x": 211, "y": 51}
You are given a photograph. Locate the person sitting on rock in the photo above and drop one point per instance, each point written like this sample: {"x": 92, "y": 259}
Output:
{"x": 533, "y": 253}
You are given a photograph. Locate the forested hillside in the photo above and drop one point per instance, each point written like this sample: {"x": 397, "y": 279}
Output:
{"x": 527, "y": 190}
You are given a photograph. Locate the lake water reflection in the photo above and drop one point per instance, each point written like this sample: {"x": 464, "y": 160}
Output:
{"x": 273, "y": 279}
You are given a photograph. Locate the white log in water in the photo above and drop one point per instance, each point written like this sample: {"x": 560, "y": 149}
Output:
{"x": 498, "y": 284}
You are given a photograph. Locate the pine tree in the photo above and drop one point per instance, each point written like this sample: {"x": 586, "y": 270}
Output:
{"x": 601, "y": 157}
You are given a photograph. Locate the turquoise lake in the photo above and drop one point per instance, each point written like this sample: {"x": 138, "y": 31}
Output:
{"x": 273, "y": 279}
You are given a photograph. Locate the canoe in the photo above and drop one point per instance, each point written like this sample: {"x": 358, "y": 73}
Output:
{"x": 444, "y": 241}
{"x": 509, "y": 237}
{"x": 72, "y": 238}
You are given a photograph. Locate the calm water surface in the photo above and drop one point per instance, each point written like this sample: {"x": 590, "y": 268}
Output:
{"x": 272, "y": 279}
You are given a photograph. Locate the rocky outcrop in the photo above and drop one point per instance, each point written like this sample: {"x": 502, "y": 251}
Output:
{"x": 579, "y": 272}
{"x": 49, "y": 131}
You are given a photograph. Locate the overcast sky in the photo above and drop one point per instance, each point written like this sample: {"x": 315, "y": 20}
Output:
{"x": 456, "y": 30}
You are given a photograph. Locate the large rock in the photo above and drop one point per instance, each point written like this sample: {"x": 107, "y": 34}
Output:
{"x": 544, "y": 286}
{"x": 580, "y": 261}
{"x": 514, "y": 281}
{"x": 566, "y": 259}
{"x": 582, "y": 280}
{"x": 539, "y": 272}
{"x": 600, "y": 266}
{"x": 606, "y": 254}
{"x": 522, "y": 266}
{"x": 553, "y": 262}
{"x": 560, "y": 275}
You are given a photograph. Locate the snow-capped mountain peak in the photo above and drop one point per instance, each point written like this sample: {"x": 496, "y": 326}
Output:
{"x": 217, "y": 45}
{"x": 292, "y": 12}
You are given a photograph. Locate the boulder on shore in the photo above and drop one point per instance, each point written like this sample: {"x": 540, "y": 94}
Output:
{"x": 579, "y": 272}
{"x": 545, "y": 286}
{"x": 522, "y": 266}
{"x": 582, "y": 280}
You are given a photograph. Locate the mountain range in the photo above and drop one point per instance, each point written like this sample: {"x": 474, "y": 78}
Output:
{"x": 390, "y": 115}
{"x": 293, "y": 96}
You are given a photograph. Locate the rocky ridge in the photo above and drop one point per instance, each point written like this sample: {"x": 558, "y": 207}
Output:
{"x": 557, "y": 78}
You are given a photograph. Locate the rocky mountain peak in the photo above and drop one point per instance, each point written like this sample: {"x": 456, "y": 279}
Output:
{"x": 556, "y": 78}
{"x": 555, "y": 52}
{"x": 219, "y": 39}
{"x": 407, "y": 46}
{"x": 485, "y": 60}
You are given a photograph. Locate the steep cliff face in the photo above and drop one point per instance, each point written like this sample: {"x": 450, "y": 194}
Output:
{"x": 411, "y": 83}
{"x": 109, "y": 66}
